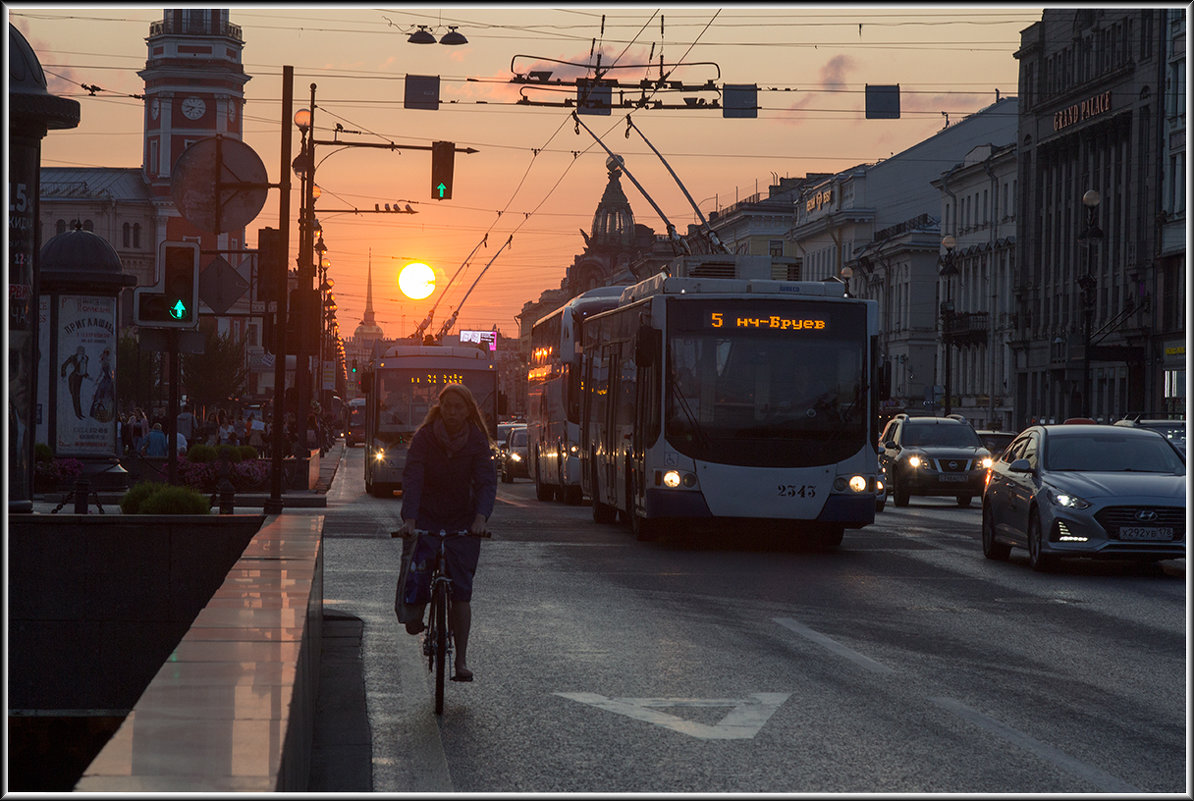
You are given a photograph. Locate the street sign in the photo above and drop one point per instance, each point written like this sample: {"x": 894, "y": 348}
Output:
{"x": 220, "y": 285}
{"x": 219, "y": 198}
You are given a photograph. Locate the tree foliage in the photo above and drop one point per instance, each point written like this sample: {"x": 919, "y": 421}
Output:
{"x": 217, "y": 374}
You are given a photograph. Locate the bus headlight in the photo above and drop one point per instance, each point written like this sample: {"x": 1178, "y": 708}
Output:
{"x": 671, "y": 479}
{"x": 853, "y": 483}
{"x": 858, "y": 483}
{"x": 515, "y": 456}
{"x": 379, "y": 455}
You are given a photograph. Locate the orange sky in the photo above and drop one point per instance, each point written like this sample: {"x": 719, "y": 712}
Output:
{"x": 534, "y": 177}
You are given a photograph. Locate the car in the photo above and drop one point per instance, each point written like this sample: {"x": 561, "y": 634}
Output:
{"x": 1080, "y": 490}
{"x": 995, "y": 441}
{"x": 356, "y": 422}
{"x": 514, "y": 458}
{"x": 923, "y": 455}
{"x": 1172, "y": 430}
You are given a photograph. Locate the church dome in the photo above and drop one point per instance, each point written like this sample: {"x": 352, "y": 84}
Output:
{"x": 613, "y": 222}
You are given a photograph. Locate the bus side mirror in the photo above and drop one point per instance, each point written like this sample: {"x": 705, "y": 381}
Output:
{"x": 367, "y": 382}
{"x": 646, "y": 346}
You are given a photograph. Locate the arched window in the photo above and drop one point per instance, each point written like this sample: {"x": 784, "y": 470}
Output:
{"x": 136, "y": 235}
{"x": 60, "y": 227}
{"x": 125, "y": 238}
{"x": 88, "y": 225}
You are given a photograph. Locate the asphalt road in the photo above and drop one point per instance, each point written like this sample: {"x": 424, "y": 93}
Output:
{"x": 903, "y": 662}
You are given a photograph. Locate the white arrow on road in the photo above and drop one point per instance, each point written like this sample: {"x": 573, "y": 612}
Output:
{"x": 744, "y": 720}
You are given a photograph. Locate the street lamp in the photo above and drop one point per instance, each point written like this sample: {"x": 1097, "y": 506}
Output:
{"x": 304, "y": 168}
{"x": 1087, "y": 283}
{"x": 948, "y": 271}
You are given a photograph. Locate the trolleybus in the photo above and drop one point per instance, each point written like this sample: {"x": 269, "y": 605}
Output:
{"x": 402, "y": 384}
{"x": 554, "y": 395}
{"x": 727, "y": 399}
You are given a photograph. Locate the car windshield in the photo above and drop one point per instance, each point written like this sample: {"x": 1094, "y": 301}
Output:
{"x": 519, "y": 438}
{"x": 1175, "y": 432}
{"x": 1111, "y": 453}
{"x": 941, "y": 435}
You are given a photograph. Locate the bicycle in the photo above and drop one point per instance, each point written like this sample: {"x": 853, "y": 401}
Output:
{"x": 437, "y": 639}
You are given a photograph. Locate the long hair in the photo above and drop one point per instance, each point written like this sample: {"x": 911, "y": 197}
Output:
{"x": 474, "y": 412}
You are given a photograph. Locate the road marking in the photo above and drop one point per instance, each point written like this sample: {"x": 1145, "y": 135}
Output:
{"x": 1103, "y": 781}
{"x": 744, "y": 720}
{"x": 833, "y": 645}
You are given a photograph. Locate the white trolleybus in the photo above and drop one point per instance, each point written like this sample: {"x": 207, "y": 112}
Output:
{"x": 730, "y": 400}
{"x": 402, "y": 385}
{"x": 554, "y": 395}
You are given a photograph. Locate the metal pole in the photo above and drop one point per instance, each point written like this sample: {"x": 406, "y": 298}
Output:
{"x": 302, "y": 373}
{"x": 274, "y": 504}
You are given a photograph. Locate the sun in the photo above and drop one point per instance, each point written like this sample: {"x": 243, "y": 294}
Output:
{"x": 416, "y": 280}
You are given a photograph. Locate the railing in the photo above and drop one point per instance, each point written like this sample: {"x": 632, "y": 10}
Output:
{"x": 168, "y": 26}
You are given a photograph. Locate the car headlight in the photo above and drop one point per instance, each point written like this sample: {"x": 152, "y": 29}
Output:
{"x": 987, "y": 462}
{"x": 515, "y": 457}
{"x": 1067, "y": 501}
{"x": 379, "y": 455}
{"x": 915, "y": 461}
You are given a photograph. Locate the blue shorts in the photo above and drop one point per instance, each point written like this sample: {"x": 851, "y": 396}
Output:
{"x": 461, "y": 557}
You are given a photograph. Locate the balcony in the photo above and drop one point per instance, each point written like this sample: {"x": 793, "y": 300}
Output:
{"x": 967, "y": 328}
{"x": 189, "y": 27}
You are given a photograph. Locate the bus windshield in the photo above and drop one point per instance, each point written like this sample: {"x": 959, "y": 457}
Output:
{"x": 406, "y": 394}
{"x": 770, "y": 383}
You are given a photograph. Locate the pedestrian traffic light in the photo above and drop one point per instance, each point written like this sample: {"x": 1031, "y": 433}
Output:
{"x": 173, "y": 302}
{"x": 443, "y": 157}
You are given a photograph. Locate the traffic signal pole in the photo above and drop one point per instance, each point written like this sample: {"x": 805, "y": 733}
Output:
{"x": 273, "y": 504}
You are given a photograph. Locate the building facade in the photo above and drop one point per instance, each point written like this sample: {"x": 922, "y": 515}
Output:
{"x": 1095, "y": 299}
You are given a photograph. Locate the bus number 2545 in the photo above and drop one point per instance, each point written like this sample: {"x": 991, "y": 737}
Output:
{"x": 797, "y": 491}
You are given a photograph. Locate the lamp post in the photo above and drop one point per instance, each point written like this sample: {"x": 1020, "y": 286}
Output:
{"x": 948, "y": 271}
{"x": 304, "y": 167}
{"x": 1087, "y": 283}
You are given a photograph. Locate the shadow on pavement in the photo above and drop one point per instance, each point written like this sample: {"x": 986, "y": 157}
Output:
{"x": 342, "y": 750}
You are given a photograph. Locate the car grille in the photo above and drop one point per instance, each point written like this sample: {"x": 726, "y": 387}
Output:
{"x": 953, "y": 465}
{"x": 1113, "y": 517}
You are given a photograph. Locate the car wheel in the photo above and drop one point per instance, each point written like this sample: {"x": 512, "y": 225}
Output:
{"x": 992, "y": 549}
{"x": 899, "y": 494}
{"x": 1037, "y": 559}
{"x": 507, "y": 478}
{"x": 964, "y": 500}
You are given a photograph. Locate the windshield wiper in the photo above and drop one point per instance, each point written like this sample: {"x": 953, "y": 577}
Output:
{"x": 698, "y": 433}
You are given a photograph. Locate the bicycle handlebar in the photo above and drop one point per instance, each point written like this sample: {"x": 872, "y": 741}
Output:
{"x": 463, "y": 533}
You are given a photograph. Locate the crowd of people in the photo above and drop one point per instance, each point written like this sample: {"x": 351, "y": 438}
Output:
{"x": 139, "y": 435}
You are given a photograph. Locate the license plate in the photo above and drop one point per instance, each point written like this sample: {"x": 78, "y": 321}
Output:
{"x": 1145, "y": 533}
{"x": 953, "y": 477}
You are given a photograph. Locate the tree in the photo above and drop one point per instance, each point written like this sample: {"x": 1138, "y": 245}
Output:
{"x": 137, "y": 372}
{"x": 217, "y": 374}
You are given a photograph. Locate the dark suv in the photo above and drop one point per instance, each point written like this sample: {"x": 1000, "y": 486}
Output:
{"x": 932, "y": 456}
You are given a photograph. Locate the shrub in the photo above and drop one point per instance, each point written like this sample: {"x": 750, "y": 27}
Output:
{"x": 43, "y": 452}
{"x": 233, "y": 452}
{"x": 250, "y": 474}
{"x": 198, "y": 474}
{"x": 176, "y": 501}
{"x": 201, "y": 453}
{"x": 246, "y": 452}
{"x": 132, "y": 500}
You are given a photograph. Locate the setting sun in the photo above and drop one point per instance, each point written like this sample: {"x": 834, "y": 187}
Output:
{"x": 416, "y": 280}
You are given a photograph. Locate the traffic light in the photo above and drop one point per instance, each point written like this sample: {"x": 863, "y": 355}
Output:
{"x": 354, "y": 366}
{"x": 443, "y": 158}
{"x": 271, "y": 264}
{"x": 174, "y": 301}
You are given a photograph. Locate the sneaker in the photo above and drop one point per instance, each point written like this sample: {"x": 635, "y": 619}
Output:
{"x": 415, "y": 626}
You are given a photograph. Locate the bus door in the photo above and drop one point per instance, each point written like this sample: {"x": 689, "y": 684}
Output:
{"x": 647, "y": 364}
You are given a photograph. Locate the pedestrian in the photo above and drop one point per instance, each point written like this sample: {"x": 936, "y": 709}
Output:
{"x": 140, "y": 425}
{"x": 154, "y": 446}
{"x": 449, "y": 483}
{"x": 185, "y": 422}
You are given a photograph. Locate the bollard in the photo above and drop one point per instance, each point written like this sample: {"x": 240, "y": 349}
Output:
{"x": 82, "y": 490}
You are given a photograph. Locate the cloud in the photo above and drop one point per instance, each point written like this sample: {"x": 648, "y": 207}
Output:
{"x": 833, "y": 75}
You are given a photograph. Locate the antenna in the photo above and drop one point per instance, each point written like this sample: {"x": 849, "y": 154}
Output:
{"x": 709, "y": 232}
{"x": 678, "y": 245}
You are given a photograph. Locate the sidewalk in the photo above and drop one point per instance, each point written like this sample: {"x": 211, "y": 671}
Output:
{"x": 315, "y": 498}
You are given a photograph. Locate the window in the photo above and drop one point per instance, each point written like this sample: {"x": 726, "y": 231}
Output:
{"x": 60, "y": 227}
{"x": 88, "y": 225}
{"x": 775, "y": 247}
{"x": 125, "y": 239}
{"x": 136, "y": 235}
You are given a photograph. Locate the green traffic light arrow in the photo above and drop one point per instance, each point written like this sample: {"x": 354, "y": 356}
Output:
{"x": 441, "y": 189}
{"x": 178, "y": 311}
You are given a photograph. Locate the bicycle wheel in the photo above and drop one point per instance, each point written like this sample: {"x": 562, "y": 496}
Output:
{"x": 439, "y": 609}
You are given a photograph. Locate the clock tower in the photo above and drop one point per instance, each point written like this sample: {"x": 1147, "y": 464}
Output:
{"x": 194, "y": 89}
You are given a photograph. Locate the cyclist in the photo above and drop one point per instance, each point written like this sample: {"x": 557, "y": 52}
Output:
{"x": 450, "y": 483}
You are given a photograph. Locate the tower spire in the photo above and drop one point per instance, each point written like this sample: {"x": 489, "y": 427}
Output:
{"x": 368, "y": 319}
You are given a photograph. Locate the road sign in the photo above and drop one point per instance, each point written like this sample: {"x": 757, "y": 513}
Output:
{"x": 214, "y": 199}
{"x": 220, "y": 285}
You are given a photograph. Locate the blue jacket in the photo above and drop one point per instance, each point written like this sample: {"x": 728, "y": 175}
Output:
{"x": 447, "y": 492}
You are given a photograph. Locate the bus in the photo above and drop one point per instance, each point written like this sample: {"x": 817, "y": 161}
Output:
{"x": 554, "y": 393}
{"x": 732, "y": 400}
{"x": 401, "y": 385}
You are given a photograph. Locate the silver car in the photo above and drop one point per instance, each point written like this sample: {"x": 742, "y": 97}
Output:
{"x": 1076, "y": 490}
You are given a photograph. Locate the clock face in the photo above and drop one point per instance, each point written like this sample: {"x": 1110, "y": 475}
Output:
{"x": 155, "y": 108}
{"x": 193, "y": 108}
